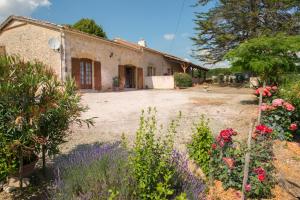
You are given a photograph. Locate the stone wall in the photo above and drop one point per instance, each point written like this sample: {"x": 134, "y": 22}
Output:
{"x": 30, "y": 42}
{"x": 111, "y": 55}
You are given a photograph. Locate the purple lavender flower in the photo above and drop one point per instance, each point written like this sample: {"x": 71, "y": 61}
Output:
{"x": 192, "y": 185}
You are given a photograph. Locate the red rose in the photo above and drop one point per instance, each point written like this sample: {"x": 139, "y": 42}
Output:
{"x": 229, "y": 162}
{"x": 213, "y": 146}
{"x": 248, "y": 187}
{"x": 263, "y": 129}
{"x": 261, "y": 177}
{"x": 293, "y": 127}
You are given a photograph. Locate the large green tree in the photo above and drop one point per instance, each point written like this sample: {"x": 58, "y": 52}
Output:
{"x": 89, "y": 26}
{"x": 267, "y": 56}
{"x": 230, "y": 22}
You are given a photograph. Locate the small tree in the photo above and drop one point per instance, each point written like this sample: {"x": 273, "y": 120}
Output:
{"x": 89, "y": 26}
{"x": 36, "y": 109}
{"x": 268, "y": 57}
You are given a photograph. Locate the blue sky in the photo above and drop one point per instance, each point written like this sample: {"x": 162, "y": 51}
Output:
{"x": 153, "y": 20}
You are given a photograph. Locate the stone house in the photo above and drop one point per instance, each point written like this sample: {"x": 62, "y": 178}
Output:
{"x": 93, "y": 61}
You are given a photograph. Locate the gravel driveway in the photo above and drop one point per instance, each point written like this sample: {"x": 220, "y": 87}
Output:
{"x": 118, "y": 112}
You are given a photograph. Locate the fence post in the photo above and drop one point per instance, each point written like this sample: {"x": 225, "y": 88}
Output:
{"x": 247, "y": 160}
{"x": 260, "y": 102}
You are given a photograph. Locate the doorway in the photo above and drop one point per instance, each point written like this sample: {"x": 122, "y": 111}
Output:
{"x": 86, "y": 74}
{"x": 129, "y": 77}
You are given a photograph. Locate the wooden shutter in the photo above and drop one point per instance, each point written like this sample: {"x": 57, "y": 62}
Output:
{"x": 121, "y": 76}
{"x": 140, "y": 78}
{"x": 2, "y": 50}
{"x": 97, "y": 75}
{"x": 76, "y": 71}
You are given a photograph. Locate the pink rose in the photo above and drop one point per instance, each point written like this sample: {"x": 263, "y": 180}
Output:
{"x": 293, "y": 127}
{"x": 248, "y": 187}
{"x": 274, "y": 88}
{"x": 288, "y": 106}
{"x": 277, "y": 102}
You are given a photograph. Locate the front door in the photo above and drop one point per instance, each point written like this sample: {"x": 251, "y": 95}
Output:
{"x": 86, "y": 74}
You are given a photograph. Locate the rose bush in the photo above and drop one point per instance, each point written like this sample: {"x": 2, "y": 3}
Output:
{"x": 228, "y": 156}
{"x": 279, "y": 115}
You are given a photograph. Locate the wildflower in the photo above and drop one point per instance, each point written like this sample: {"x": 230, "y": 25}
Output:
{"x": 229, "y": 162}
{"x": 293, "y": 127}
{"x": 248, "y": 187}
{"x": 263, "y": 129}
{"x": 277, "y": 102}
{"x": 288, "y": 106}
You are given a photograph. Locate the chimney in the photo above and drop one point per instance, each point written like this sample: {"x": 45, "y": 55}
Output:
{"x": 142, "y": 43}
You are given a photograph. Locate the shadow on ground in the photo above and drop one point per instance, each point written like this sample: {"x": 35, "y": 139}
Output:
{"x": 41, "y": 185}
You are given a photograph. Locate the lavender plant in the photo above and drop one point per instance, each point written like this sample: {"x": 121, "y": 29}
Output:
{"x": 95, "y": 172}
{"x": 192, "y": 186}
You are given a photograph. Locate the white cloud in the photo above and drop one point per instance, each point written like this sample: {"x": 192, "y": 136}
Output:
{"x": 20, "y": 7}
{"x": 169, "y": 36}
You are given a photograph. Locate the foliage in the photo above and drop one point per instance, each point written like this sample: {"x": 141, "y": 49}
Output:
{"x": 279, "y": 116}
{"x": 36, "y": 109}
{"x": 229, "y": 23}
{"x": 151, "y": 157}
{"x": 228, "y": 162}
{"x": 151, "y": 170}
{"x": 268, "y": 57}
{"x": 183, "y": 80}
{"x": 95, "y": 172}
{"x": 89, "y": 26}
{"x": 218, "y": 71}
{"x": 290, "y": 92}
{"x": 201, "y": 142}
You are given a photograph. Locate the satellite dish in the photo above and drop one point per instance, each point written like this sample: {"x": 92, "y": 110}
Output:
{"x": 54, "y": 43}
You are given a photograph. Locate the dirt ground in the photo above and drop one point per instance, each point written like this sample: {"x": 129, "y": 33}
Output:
{"x": 118, "y": 112}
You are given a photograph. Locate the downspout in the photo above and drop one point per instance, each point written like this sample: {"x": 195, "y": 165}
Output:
{"x": 63, "y": 68}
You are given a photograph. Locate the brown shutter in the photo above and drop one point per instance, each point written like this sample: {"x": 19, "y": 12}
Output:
{"x": 2, "y": 50}
{"x": 140, "y": 78}
{"x": 122, "y": 76}
{"x": 76, "y": 71}
{"x": 97, "y": 75}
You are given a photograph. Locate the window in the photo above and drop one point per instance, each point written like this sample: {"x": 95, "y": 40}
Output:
{"x": 2, "y": 50}
{"x": 151, "y": 71}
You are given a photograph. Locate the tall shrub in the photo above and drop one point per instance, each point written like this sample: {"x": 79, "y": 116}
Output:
{"x": 200, "y": 144}
{"x": 36, "y": 109}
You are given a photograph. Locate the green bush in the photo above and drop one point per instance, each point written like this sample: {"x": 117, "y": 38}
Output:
{"x": 290, "y": 91}
{"x": 183, "y": 80}
{"x": 151, "y": 159}
{"x": 200, "y": 144}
